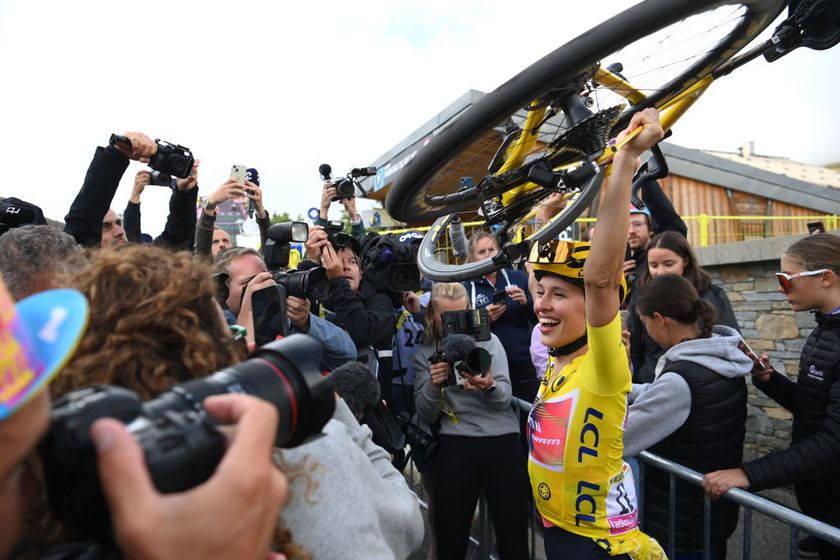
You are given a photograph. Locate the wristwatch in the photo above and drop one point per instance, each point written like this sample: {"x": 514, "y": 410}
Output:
{"x": 209, "y": 206}
{"x": 490, "y": 389}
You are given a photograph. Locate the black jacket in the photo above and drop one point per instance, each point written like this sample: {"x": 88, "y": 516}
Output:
{"x": 366, "y": 315}
{"x": 812, "y": 462}
{"x": 712, "y": 438}
{"x": 645, "y": 352}
{"x": 180, "y": 223}
{"x": 84, "y": 220}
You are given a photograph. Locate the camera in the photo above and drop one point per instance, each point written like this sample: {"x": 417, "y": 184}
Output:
{"x": 472, "y": 322}
{"x": 181, "y": 443}
{"x": 172, "y": 159}
{"x": 277, "y": 246}
{"x": 310, "y": 283}
{"x": 345, "y": 188}
{"x": 161, "y": 179}
{"x": 389, "y": 262}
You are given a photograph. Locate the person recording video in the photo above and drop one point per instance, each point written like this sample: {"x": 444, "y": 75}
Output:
{"x": 478, "y": 449}
{"x": 232, "y": 514}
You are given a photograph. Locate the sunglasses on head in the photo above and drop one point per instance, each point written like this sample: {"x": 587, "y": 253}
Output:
{"x": 556, "y": 251}
{"x": 786, "y": 280}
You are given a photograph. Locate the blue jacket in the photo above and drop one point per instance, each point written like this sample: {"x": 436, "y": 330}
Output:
{"x": 514, "y": 326}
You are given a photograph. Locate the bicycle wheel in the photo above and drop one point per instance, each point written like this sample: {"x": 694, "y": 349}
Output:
{"x": 663, "y": 47}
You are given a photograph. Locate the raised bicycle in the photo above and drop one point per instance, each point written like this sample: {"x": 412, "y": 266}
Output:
{"x": 559, "y": 116}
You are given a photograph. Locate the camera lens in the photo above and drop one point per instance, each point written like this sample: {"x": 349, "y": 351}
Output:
{"x": 284, "y": 372}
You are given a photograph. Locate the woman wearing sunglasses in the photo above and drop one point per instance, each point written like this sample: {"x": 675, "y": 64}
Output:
{"x": 582, "y": 488}
{"x": 810, "y": 280}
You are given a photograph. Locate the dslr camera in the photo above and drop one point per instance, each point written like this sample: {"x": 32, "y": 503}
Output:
{"x": 181, "y": 443}
{"x": 345, "y": 187}
{"x": 170, "y": 159}
{"x": 337, "y": 237}
{"x": 472, "y": 322}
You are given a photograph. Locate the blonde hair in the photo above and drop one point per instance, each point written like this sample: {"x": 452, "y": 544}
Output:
{"x": 452, "y": 291}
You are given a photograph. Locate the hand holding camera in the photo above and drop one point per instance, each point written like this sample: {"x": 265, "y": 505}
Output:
{"x": 191, "y": 181}
{"x": 135, "y": 145}
{"x": 331, "y": 262}
{"x": 439, "y": 372}
{"x": 141, "y": 180}
{"x": 315, "y": 243}
{"x": 246, "y": 485}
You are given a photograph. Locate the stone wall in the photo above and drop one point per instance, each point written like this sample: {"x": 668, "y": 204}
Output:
{"x": 746, "y": 271}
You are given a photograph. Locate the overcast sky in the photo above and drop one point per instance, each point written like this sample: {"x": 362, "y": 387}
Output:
{"x": 286, "y": 86}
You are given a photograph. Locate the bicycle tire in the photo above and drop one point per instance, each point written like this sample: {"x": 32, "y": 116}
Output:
{"x": 407, "y": 200}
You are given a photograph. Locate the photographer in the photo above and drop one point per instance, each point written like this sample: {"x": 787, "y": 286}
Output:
{"x": 232, "y": 514}
{"x": 246, "y": 273}
{"x": 328, "y": 196}
{"x": 209, "y": 240}
{"x": 352, "y": 302}
{"x": 93, "y": 224}
{"x": 181, "y": 205}
{"x": 478, "y": 449}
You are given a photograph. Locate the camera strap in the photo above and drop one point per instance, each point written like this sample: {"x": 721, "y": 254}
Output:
{"x": 445, "y": 408}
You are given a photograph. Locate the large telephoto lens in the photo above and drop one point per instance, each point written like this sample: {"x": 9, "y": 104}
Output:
{"x": 284, "y": 373}
{"x": 305, "y": 284}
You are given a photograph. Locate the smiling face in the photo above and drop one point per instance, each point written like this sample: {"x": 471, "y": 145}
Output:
{"x": 664, "y": 261}
{"x": 561, "y": 311}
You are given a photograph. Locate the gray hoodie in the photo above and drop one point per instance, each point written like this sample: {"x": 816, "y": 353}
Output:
{"x": 658, "y": 409}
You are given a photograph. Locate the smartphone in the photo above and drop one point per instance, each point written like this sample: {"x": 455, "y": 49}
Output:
{"x": 238, "y": 172}
{"x": 751, "y": 351}
{"x": 268, "y": 307}
{"x": 816, "y": 227}
{"x": 499, "y": 296}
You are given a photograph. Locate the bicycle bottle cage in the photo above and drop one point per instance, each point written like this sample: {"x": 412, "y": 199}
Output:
{"x": 811, "y": 23}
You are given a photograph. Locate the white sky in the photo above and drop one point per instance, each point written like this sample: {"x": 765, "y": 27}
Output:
{"x": 286, "y": 86}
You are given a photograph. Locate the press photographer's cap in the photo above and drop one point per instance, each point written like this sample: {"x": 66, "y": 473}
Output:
{"x": 37, "y": 337}
{"x": 252, "y": 175}
{"x": 15, "y": 212}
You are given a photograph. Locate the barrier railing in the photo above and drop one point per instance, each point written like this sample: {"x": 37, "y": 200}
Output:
{"x": 483, "y": 544}
{"x": 706, "y": 229}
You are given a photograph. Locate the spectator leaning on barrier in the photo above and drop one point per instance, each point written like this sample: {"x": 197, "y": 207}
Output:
{"x": 810, "y": 281}
{"x": 670, "y": 253}
{"x": 693, "y": 413}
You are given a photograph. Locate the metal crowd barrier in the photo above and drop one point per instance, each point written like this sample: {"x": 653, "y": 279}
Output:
{"x": 482, "y": 545}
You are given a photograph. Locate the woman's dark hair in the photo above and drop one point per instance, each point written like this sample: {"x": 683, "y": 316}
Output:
{"x": 677, "y": 243}
{"x": 673, "y": 296}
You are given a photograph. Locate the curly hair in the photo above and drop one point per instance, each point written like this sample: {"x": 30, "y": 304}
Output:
{"x": 153, "y": 322}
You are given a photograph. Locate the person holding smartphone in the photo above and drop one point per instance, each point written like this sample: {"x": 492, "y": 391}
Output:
{"x": 505, "y": 295}
{"x": 810, "y": 281}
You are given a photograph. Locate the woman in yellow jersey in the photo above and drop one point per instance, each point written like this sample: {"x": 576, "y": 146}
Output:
{"x": 582, "y": 487}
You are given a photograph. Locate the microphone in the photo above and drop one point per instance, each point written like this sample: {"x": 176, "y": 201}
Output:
{"x": 355, "y": 383}
{"x": 326, "y": 171}
{"x": 465, "y": 356}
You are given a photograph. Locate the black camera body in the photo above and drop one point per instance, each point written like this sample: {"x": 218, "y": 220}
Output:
{"x": 389, "y": 262}
{"x": 161, "y": 179}
{"x": 472, "y": 322}
{"x": 345, "y": 188}
{"x": 337, "y": 236}
{"x": 172, "y": 159}
{"x": 182, "y": 444}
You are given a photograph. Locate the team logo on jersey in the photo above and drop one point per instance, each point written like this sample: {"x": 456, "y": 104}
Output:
{"x": 544, "y": 491}
{"x": 548, "y": 430}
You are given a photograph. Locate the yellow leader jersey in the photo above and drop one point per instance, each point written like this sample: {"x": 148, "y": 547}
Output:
{"x": 575, "y": 461}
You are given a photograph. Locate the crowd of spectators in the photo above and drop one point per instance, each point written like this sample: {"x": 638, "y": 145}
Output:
{"x": 667, "y": 374}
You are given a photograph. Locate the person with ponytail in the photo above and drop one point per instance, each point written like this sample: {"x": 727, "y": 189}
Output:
{"x": 810, "y": 281}
{"x": 693, "y": 413}
{"x": 670, "y": 253}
